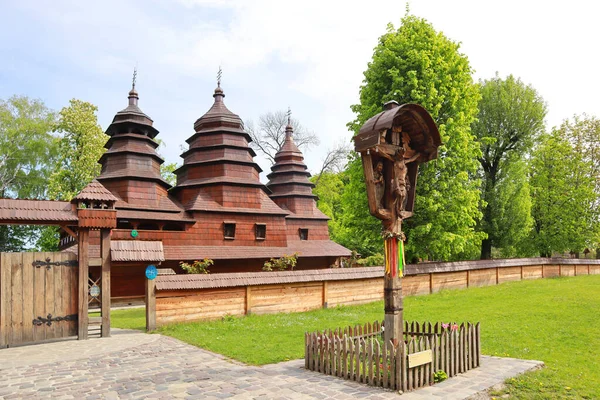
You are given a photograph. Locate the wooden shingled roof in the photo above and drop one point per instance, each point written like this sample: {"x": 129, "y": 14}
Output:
{"x": 95, "y": 191}
{"x": 210, "y": 281}
{"x": 21, "y": 211}
{"x": 136, "y": 250}
{"x": 304, "y": 248}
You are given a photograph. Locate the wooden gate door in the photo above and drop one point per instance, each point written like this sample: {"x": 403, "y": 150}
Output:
{"x": 38, "y": 297}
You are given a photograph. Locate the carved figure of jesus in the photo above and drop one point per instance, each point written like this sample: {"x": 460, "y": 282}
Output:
{"x": 400, "y": 184}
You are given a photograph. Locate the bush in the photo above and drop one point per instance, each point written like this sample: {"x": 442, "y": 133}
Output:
{"x": 281, "y": 264}
{"x": 197, "y": 267}
{"x": 374, "y": 260}
{"x": 440, "y": 376}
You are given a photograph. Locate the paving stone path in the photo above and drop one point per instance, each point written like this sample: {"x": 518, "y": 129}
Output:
{"x": 139, "y": 366}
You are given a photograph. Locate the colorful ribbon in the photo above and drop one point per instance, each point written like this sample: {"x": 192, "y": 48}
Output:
{"x": 394, "y": 257}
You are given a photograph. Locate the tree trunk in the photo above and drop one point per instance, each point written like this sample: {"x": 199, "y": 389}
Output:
{"x": 486, "y": 249}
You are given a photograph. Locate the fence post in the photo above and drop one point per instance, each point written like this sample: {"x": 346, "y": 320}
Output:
{"x": 248, "y": 300}
{"x": 82, "y": 330}
{"x": 105, "y": 285}
{"x": 3, "y": 302}
{"x": 150, "y": 305}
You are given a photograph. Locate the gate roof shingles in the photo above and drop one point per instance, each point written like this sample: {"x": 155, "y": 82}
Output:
{"x": 36, "y": 211}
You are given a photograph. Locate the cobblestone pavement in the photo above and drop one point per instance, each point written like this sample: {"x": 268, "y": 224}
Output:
{"x": 139, "y": 366}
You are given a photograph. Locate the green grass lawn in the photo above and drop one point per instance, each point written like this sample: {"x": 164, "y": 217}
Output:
{"x": 553, "y": 320}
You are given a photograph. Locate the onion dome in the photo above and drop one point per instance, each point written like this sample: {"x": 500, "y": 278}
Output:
{"x": 291, "y": 189}
{"x": 218, "y": 171}
{"x": 132, "y": 119}
{"x": 131, "y": 165}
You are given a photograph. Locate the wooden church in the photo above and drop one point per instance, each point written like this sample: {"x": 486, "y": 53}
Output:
{"x": 218, "y": 209}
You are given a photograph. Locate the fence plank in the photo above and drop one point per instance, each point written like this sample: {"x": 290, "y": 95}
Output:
{"x": 28, "y": 297}
{"x": 426, "y": 367}
{"x": 399, "y": 360}
{"x": 50, "y": 297}
{"x": 39, "y": 302}
{"x": 410, "y": 372}
{"x": 392, "y": 357}
{"x": 447, "y": 353}
{"x": 339, "y": 355}
{"x": 345, "y": 357}
{"x": 357, "y": 360}
{"x": 332, "y": 356}
{"x": 370, "y": 351}
{"x": 478, "y": 340}
{"x": 4, "y": 300}
{"x": 377, "y": 356}
{"x": 306, "y": 351}
{"x": 16, "y": 263}
{"x": 386, "y": 368}
{"x": 473, "y": 347}
{"x": 58, "y": 296}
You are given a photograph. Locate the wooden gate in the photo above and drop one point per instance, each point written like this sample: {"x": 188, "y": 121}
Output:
{"x": 38, "y": 297}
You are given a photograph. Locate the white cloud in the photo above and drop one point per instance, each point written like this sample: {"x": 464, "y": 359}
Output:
{"x": 306, "y": 54}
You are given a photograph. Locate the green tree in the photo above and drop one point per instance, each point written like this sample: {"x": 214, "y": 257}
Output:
{"x": 512, "y": 220}
{"x": 356, "y": 228}
{"x": 511, "y": 115}
{"x": 330, "y": 187}
{"x": 583, "y": 132}
{"x": 416, "y": 64}
{"x": 27, "y": 155}
{"x": 27, "y": 147}
{"x": 562, "y": 189}
{"x": 81, "y": 146}
{"x": 166, "y": 171}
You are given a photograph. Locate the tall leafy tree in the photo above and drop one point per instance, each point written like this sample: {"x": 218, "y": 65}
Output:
{"x": 27, "y": 154}
{"x": 512, "y": 221}
{"x": 329, "y": 188}
{"x": 583, "y": 132}
{"x": 562, "y": 188}
{"x": 417, "y": 64}
{"x": 511, "y": 115}
{"x": 27, "y": 147}
{"x": 81, "y": 146}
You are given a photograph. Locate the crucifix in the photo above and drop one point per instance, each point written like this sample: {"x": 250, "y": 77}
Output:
{"x": 392, "y": 144}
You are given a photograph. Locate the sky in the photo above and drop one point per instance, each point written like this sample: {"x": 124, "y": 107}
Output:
{"x": 308, "y": 55}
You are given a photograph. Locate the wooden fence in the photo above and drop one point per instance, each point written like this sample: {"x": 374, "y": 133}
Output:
{"x": 181, "y": 298}
{"x": 359, "y": 354}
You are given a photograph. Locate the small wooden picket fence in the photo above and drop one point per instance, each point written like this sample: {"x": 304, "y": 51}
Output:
{"x": 359, "y": 354}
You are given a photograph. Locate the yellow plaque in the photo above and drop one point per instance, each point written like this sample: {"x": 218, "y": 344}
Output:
{"x": 420, "y": 358}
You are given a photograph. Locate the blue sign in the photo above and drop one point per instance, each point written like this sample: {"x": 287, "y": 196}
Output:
{"x": 151, "y": 272}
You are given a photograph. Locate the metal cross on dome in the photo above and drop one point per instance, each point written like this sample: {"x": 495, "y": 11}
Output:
{"x": 219, "y": 75}
{"x": 289, "y": 115}
{"x": 134, "y": 77}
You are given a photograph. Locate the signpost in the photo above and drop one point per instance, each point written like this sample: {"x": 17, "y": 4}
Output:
{"x": 151, "y": 272}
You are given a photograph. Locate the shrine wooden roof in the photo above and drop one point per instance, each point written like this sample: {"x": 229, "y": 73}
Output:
{"x": 414, "y": 119}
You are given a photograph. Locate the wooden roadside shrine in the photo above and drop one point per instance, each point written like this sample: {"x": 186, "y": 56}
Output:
{"x": 392, "y": 144}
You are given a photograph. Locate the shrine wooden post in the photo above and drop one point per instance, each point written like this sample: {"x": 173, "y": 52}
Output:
{"x": 392, "y": 144}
